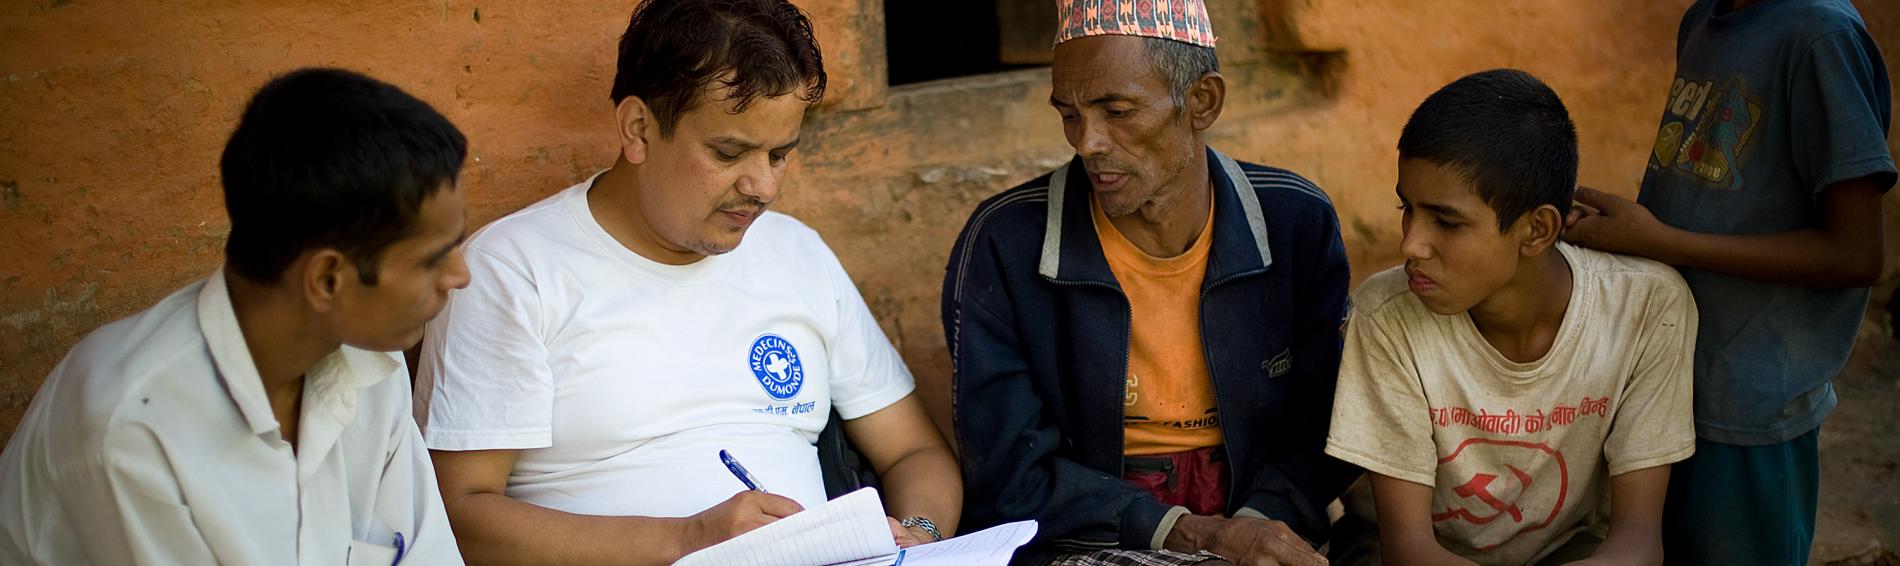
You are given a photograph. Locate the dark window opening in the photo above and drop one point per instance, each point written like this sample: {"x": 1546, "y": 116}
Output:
{"x": 931, "y": 40}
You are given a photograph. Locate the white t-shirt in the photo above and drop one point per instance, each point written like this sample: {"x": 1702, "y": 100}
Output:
{"x": 1520, "y": 454}
{"x": 621, "y": 378}
{"x": 153, "y": 443}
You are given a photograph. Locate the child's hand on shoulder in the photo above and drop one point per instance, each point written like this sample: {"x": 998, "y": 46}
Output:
{"x": 1610, "y": 223}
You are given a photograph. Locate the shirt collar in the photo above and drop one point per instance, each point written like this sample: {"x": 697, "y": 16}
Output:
{"x": 336, "y": 376}
{"x": 1071, "y": 251}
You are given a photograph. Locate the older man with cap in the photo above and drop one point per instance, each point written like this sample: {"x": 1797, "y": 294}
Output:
{"x": 1146, "y": 339}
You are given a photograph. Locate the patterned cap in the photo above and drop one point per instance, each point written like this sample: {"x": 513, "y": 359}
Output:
{"x": 1180, "y": 20}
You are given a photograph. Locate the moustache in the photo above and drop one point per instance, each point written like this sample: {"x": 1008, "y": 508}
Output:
{"x": 747, "y": 205}
{"x": 1097, "y": 165}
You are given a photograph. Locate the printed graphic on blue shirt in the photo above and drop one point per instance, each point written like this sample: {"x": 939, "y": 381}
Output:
{"x": 1705, "y": 130}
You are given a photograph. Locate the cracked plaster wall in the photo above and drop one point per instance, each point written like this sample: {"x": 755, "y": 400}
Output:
{"x": 112, "y": 115}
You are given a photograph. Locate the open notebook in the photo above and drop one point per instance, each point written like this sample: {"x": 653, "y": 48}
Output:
{"x": 851, "y": 531}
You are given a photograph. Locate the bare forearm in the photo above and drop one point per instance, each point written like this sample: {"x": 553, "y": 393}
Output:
{"x": 926, "y": 483}
{"x": 1803, "y": 257}
{"x": 1843, "y": 249}
{"x": 1406, "y": 537}
{"x": 1423, "y": 551}
{"x": 496, "y": 529}
{"x": 1632, "y": 547}
{"x": 1636, "y": 507}
{"x": 919, "y": 473}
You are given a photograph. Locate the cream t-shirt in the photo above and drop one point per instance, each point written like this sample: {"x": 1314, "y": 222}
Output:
{"x": 1520, "y": 454}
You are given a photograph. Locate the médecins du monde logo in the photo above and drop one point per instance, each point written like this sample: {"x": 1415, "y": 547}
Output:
{"x": 775, "y": 363}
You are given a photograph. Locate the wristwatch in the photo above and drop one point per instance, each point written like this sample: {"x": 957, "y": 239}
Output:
{"x": 922, "y": 523}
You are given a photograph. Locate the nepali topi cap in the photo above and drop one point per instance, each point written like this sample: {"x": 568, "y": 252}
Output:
{"x": 1180, "y": 20}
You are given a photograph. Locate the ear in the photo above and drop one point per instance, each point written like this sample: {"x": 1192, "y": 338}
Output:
{"x": 634, "y": 122}
{"x": 1205, "y": 98}
{"x": 323, "y": 276}
{"x": 1540, "y": 229}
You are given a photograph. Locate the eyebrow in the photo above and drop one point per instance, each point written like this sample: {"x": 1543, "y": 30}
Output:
{"x": 1443, "y": 210}
{"x": 1103, "y": 99}
{"x": 444, "y": 250}
{"x": 1437, "y": 209}
{"x": 747, "y": 144}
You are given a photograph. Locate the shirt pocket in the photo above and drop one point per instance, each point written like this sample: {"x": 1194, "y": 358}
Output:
{"x": 371, "y": 554}
{"x": 380, "y": 546}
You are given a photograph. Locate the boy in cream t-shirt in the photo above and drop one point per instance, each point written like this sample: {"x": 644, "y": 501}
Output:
{"x": 1517, "y": 400}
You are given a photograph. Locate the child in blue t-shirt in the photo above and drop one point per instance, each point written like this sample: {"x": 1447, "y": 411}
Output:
{"x": 1764, "y": 190}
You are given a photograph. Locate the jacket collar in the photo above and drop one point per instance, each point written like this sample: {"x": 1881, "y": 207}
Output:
{"x": 1071, "y": 252}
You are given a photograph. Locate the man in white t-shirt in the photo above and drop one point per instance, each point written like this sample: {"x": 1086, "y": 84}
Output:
{"x": 260, "y": 415}
{"x": 617, "y": 336}
{"x": 1517, "y": 400}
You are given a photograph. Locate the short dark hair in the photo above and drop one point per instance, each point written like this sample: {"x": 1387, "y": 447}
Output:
{"x": 1179, "y": 64}
{"x": 1507, "y": 133}
{"x": 674, "y": 48}
{"x": 331, "y": 158}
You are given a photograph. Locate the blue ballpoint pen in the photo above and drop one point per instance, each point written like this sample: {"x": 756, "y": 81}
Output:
{"x": 740, "y": 472}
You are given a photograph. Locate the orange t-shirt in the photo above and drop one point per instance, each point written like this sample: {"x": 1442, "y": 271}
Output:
{"x": 1168, "y": 405}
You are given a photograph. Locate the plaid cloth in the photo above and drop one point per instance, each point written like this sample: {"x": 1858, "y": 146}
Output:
{"x": 1131, "y": 558}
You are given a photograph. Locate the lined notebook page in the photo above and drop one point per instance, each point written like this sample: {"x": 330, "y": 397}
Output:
{"x": 991, "y": 546}
{"x": 994, "y": 545}
{"x": 845, "y": 529}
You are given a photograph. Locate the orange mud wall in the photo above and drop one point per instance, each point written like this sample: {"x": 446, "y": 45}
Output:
{"x": 112, "y": 116}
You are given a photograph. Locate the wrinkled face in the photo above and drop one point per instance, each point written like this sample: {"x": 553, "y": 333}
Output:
{"x": 718, "y": 172}
{"x": 414, "y": 276}
{"x": 1455, "y": 255}
{"x": 1118, "y": 114}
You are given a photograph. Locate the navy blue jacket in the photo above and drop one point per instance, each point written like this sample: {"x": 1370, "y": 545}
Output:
{"x": 1038, "y": 332}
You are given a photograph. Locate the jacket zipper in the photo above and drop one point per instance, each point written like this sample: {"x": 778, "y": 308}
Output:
{"x": 1128, "y": 323}
{"x": 1233, "y": 483}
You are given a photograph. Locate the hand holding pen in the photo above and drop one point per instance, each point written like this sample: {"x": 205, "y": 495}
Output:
{"x": 744, "y": 511}
{"x": 900, "y": 534}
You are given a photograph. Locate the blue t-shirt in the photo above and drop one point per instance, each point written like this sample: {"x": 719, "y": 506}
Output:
{"x": 1771, "y": 105}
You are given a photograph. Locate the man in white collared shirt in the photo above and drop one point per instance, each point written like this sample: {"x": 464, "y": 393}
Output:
{"x": 258, "y": 416}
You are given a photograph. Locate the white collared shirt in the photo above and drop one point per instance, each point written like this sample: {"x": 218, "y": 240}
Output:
{"x": 153, "y": 443}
